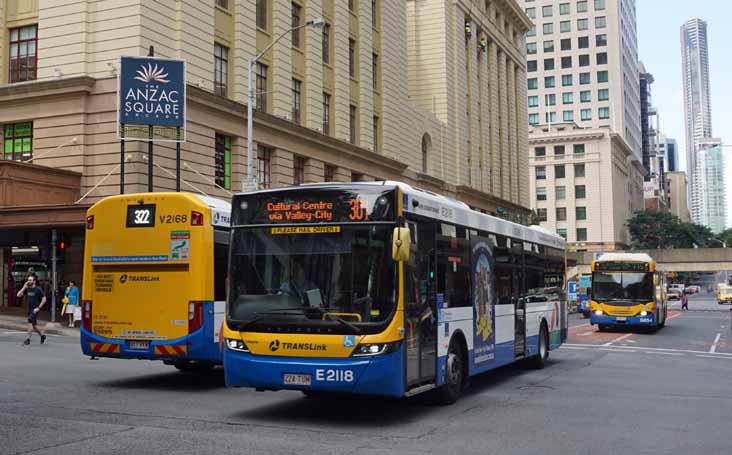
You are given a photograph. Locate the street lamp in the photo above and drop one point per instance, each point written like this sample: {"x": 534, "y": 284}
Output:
{"x": 315, "y": 23}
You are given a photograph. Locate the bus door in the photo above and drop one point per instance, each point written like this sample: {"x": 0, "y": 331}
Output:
{"x": 420, "y": 308}
{"x": 519, "y": 347}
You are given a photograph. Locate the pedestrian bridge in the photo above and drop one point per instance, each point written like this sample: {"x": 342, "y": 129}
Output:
{"x": 673, "y": 260}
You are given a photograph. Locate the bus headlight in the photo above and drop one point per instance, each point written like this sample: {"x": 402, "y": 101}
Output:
{"x": 644, "y": 313}
{"x": 598, "y": 312}
{"x": 236, "y": 345}
{"x": 372, "y": 349}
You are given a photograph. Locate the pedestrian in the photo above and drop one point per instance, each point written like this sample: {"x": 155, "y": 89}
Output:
{"x": 684, "y": 301}
{"x": 71, "y": 299}
{"x": 35, "y": 299}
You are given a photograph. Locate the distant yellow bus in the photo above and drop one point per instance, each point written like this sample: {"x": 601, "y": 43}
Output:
{"x": 627, "y": 290}
{"x": 724, "y": 294}
{"x": 154, "y": 286}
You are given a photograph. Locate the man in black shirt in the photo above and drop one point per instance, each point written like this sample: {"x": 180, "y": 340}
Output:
{"x": 35, "y": 299}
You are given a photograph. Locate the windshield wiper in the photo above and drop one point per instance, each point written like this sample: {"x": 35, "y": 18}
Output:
{"x": 258, "y": 316}
{"x": 344, "y": 322}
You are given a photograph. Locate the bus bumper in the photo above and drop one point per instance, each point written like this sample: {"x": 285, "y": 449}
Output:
{"x": 649, "y": 320}
{"x": 197, "y": 346}
{"x": 379, "y": 375}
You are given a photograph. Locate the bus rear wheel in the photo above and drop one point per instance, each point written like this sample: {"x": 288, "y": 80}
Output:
{"x": 455, "y": 375}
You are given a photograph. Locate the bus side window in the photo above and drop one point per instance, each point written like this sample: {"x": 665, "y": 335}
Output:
{"x": 221, "y": 257}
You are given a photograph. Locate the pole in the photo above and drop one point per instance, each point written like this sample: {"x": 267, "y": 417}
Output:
{"x": 54, "y": 283}
{"x": 122, "y": 160}
{"x": 177, "y": 161}
{"x": 151, "y": 53}
{"x": 250, "y": 125}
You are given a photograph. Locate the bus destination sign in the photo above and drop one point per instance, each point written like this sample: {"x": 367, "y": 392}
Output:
{"x": 620, "y": 266}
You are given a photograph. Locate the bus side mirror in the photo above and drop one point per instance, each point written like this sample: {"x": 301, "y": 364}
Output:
{"x": 400, "y": 242}
{"x": 656, "y": 281}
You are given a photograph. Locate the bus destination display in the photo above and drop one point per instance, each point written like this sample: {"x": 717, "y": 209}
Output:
{"x": 617, "y": 266}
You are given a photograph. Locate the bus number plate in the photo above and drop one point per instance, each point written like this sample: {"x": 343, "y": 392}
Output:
{"x": 297, "y": 379}
{"x": 140, "y": 345}
{"x": 620, "y": 318}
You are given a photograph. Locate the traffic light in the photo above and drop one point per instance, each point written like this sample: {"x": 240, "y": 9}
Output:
{"x": 61, "y": 245}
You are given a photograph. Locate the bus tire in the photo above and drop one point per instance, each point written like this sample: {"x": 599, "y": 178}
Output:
{"x": 193, "y": 367}
{"x": 586, "y": 315}
{"x": 539, "y": 360}
{"x": 601, "y": 327}
{"x": 455, "y": 377}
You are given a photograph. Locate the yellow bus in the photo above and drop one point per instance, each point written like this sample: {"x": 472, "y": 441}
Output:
{"x": 385, "y": 289}
{"x": 627, "y": 290}
{"x": 154, "y": 287}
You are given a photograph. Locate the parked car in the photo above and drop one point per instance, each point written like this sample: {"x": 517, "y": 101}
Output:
{"x": 673, "y": 294}
{"x": 692, "y": 289}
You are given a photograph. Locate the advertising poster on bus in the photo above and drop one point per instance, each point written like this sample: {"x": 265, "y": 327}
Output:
{"x": 484, "y": 332}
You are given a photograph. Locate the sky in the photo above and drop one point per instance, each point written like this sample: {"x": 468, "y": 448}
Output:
{"x": 659, "y": 46}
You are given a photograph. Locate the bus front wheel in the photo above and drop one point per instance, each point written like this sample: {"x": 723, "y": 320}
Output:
{"x": 539, "y": 360}
{"x": 455, "y": 375}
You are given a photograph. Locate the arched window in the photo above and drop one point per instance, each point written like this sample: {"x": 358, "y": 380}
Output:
{"x": 426, "y": 146}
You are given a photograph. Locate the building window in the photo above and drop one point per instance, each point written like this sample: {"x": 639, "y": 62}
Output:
{"x": 374, "y": 14}
{"x": 579, "y": 149}
{"x": 296, "y": 30}
{"x": 560, "y": 193}
{"x": 541, "y": 194}
{"x": 548, "y": 28}
{"x": 533, "y": 119}
{"x": 559, "y": 150}
{"x": 585, "y": 96}
{"x": 566, "y": 80}
{"x": 601, "y": 40}
{"x": 603, "y": 113}
{"x": 580, "y": 213}
{"x": 326, "y": 43}
{"x": 549, "y": 82}
{"x": 221, "y": 69}
{"x": 264, "y": 160}
{"x": 222, "y": 161}
{"x": 541, "y": 214}
{"x": 584, "y": 60}
{"x": 582, "y": 24}
{"x": 565, "y": 26}
{"x": 533, "y": 83}
{"x": 583, "y": 42}
{"x": 261, "y": 88}
{"x": 533, "y": 101}
{"x": 352, "y": 58}
{"x": 546, "y": 11}
{"x": 584, "y": 78}
{"x": 551, "y": 117}
{"x": 550, "y": 99}
{"x": 426, "y": 145}
{"x": 599, "y": 5}
{"x": 18, "y": 141}
{"x": 566, "y": 62}
{"x": 326, "y": 113}
{"x": 581, "y": 234}
{"x": 352, "y": 118}
{"x": 531, "y": 12}
{"x": 262, "y": 14}
{"x": 580, "y": 192}
{"x": 531, "y": 32}
{"x": 22, "y": 53}
{"x": 540, "y": 151}
{"x": 223, "y": 3}
{"x": 602, "y": 58}
{"x": 328, "y": 173}
{"x": 582, "y": 6}
{"x": 559, "y": 171}
{"x": 565, "y": 44}
{"x": 530, "y": 48}
{"x": 541, "y": 173}
{"x": 567, "y": 98}
{"x": 602, "y": 76}
{"x": 600, "y": 22}
{"x": 376, "y": 133}
{"x": 561, "y": 213}
{"x": 579, "y": 170}
{"x": 603, "y": 94}
{"x": 564, "y": 9}
{"x": 531, "y": 66}
{"x": 375, "y": 71}
{"x": 352, "y": 7}
{"x": 549, "y": 46}
{"x": 568, "y": 116}
{"x": 562, "y": 233}
{"x": 296, "y": 100}
{"x": 298, "y": 170}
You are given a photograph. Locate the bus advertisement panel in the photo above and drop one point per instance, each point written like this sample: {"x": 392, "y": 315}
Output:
{"x": 379, "y": 288}
{"x": 154, "y": 278}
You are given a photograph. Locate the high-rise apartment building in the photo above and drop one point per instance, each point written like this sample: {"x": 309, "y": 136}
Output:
{"x": 711, "y": 201}
{"x": 677, "y": 183}
{"x": 697, "y": 102}
{"x": 654, "y": 183}
{"x": 584, "y": 111}
{"x": 669, "y": 151}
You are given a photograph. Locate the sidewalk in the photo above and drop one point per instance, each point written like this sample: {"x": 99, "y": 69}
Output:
{"x": 15, "y": 319}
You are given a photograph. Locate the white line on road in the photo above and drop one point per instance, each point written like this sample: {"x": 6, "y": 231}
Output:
{"x": 713, "y": 349}
{"x": 664, "y": 353}
{"x": 573, "y": 347}
{"x": 620, "y": 338}
{"x": 713, "y": 356}
{"x": 618, "y": 350}
{"x": 579, "y": 325}
{"x": 721, "y": 354}
{"x": 584, "y": 334}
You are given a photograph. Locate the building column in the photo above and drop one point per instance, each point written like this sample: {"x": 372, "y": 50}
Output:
{"x": 485, "y": 124}
{"x": 494, "y": 117}
{"x": 512, "y": 133}
{"x": 341, "y": 99}
{"x": 245, "y": 47}
{"x": 314, "y": 171}
{"x": 313, "y": 85}
{"x": 523, "y": 134}
{"x": 365, "y": 78}
{"x": 3, "y": 51}
{"x": 281, "y": 168}
{"x": 281, "y": 61}
{"x": 504, "y": 188}
{"x": 342, "y": 174}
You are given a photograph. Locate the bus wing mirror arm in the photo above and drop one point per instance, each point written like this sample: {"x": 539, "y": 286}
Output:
{"x": 401, "y": 240}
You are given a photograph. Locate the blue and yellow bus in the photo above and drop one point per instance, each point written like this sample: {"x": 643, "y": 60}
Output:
{"x": 154, "y": 286}
{"x": 627, "y": 290}
{"x": 384, "y": 289}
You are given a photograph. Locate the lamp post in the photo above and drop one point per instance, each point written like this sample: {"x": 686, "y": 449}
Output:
{"x": 250, "y": 182}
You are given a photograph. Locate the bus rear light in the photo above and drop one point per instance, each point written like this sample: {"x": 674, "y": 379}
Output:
{"x": 86, "y": 314}
{"x": 196, "y": 219}
{"x": 90, "y": 222}
{"x": 195, "y": 316}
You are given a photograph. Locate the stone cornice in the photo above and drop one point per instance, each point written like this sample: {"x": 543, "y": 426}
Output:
{"x": 47, "y": 87}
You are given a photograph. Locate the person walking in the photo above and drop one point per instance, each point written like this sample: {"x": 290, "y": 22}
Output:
{"x": 71, "y": 296}
{"x": 35, "y": 299}
{"x": 684, "y": 301}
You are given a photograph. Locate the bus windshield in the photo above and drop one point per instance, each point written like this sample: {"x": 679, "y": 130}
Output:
{"x": 322, "y": 279}
{"x": 615, "y": 286}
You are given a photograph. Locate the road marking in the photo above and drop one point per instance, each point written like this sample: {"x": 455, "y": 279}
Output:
{"x": 584, "y": 334}
{"x": 713, "y": 349}
{"x": 579, "y": 325}
{"x": 721, "y": 354}
{"x": 574, "y": 347}
{"x": 620, "y": 338}
{"x": 664, "y": 353}
{"x": 713, "y": 356}
{"x": 618, "y": 350}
